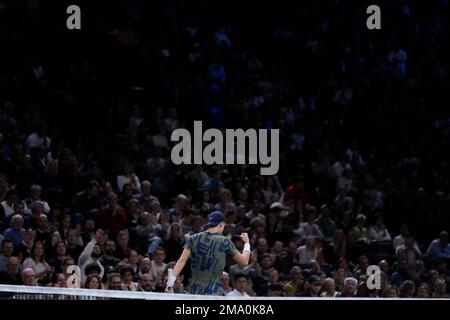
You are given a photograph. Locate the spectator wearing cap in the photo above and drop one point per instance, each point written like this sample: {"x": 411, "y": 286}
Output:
{"x": 240, "y": 285}
{"x": 313, "y": 287}
{"x": 325, "y": 223}
{"x": 439, "y": 248}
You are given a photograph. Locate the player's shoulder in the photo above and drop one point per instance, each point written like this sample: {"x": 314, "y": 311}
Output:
{"x": 197, "y": 235}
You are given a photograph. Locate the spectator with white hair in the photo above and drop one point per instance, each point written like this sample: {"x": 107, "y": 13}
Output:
{"x": 226, "y": 283}
{"x": 35, "y": 195}
{"x": 29, "y": 277}
{"x": 350, "y": 287}
{"x": 16, "y": 233}
{"x": 329, "y": 289}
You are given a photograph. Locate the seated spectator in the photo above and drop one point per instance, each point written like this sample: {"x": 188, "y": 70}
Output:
{"x": 350, "y": 286}
{"x": 16, "y": 233}
{"x": 440, "y": 289}
{"x": 407, "y": 289}
{"x": 128, "y": 176}
{"x": 309, "y": 228}
{"x": 295, "y": 285}
{"x": 35, "y": 195}
{"x": 240, "y": 285}
{"x": 114, "y": 281}
{"x": 400, "y": 239}
{"x": 145, "y": 197}
{"x": 412, "y": 252}
{"x": 378, "y": 232}
{"x": 225, "y": 203}
{"x": 126, "y": 273}
{"x": 93, "y": 281}
{"x": 87, "y": 202}
{"x": 29, "y": 277}
{"x": 309, "y": 251}
{"x": 113, "y": 217}
{"x": 226, "y": 283}
{"x": 37, "y": 263}
{"x": 360, "y": 230}
{"x": 14, "y": 269}
{"x": 326, "y": 225}
{"x": 329, "y": 289}
{"x": 58, "y": 280}
{"x": 108, "y": 259}
{"x": 146, "y": 283}
{"x": 313, "y": 287}
{"x": 7, "y": 253}
{"x": 158, "y": 264}
{"x": 439, "y": 248}
{"x": 401, "y": 274}
{"x": 423, "y": 291}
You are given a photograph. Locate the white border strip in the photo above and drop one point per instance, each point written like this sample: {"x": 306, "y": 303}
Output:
{"x": 139, "y": 295}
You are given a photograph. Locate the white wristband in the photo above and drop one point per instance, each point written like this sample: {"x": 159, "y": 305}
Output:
{"x": 247, "y": 247}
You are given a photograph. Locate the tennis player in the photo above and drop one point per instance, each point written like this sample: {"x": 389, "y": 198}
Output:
{"x": 208, "y": 251}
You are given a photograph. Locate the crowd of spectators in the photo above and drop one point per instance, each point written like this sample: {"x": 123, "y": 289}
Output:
{"x": 85, "y": 170}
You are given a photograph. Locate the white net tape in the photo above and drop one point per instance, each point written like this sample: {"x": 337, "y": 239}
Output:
{"x": 13, "y": 292}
